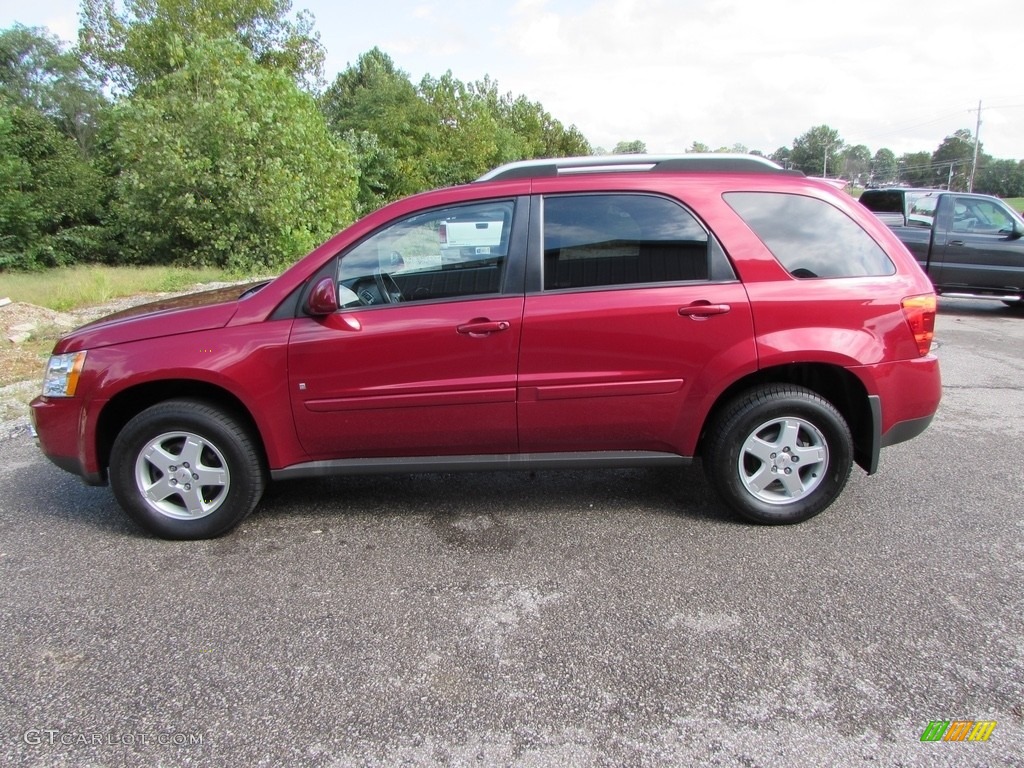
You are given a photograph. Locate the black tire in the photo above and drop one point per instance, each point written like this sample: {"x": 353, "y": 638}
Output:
{"x": 778, "y": 454}
{"x": 203, "y": 469}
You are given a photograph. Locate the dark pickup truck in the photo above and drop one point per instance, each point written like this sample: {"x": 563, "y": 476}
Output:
{"x": 971, "y": 246}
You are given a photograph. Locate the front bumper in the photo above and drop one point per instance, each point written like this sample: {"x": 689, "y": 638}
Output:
{"x": 57, "y": 424}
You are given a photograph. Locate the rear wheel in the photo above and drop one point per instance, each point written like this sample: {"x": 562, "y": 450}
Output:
{"x": 778, "y": 454}
{"x": 183, "y": 469}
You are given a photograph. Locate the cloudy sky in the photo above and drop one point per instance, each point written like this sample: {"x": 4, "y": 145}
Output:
{"x": 884, "y": 73}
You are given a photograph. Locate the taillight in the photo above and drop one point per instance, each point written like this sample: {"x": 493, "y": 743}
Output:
{"x": 920, "y": 314}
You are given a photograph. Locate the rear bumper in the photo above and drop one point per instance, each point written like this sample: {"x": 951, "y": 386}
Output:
{"x": 906, "y": 430}
{"x": 907, "y": 396}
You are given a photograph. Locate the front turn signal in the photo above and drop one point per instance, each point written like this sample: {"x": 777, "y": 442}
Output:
{"x": 920, "y": 314}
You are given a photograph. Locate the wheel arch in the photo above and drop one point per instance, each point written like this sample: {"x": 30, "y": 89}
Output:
{"x": 836, "y": 384}
{"x": 127, "y": 404}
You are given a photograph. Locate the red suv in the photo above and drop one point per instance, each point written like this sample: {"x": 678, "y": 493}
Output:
{"x": 586, "y": 312}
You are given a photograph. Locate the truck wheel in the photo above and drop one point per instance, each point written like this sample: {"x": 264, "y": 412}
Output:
{"x": 778, "y": 454}
{"x": 183, "y": 469}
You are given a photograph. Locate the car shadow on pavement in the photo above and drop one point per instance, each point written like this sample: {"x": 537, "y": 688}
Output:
{"x": 659, "y": 492}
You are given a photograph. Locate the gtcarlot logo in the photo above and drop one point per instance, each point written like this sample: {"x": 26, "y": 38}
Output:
{"x": 958, "y": 730}
{"x": 52, "y": 737}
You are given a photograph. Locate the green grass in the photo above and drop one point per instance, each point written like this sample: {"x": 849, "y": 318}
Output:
{"x": 75, "y": 287}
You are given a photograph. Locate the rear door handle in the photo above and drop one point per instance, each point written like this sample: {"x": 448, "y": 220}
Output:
{"x": 703, "y": 309}
{"x": 483, "y": 327}
{"x": 955, "y": 242}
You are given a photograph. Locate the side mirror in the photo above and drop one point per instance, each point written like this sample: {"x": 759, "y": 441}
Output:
{"x": 323, "y": 299}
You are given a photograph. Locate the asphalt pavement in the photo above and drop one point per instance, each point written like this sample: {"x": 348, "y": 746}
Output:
{"x": 597, "y": 618}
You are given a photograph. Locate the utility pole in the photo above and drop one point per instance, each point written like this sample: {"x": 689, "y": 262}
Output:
{"x": 974, "y": 163}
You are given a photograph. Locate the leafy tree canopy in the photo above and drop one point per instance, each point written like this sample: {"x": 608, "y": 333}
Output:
{"x": 953, "y": 160}
{"x": 36, "y": 71}
{"x": 376, "y": 98}
{"x": 438, "y": 133}
{"x": 1004, "y": 178}
{"x": 225, "y": 162}
{"x": 51, "y": 196}
{"x": 137, "y": 41}
{"x": 817, "y": 151}
{"x": 915, "y": 168}
{"x": 855, "y": 162}
{"x": 635, "y": 147}
{"x": 884, "y": 166}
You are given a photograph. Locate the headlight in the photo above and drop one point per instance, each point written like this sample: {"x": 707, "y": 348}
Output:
{"x": 62, "y": 372}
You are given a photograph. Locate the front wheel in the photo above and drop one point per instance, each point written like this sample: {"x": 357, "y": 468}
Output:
{"x": 778, "y": 454}
{"x": 183, "y": 469}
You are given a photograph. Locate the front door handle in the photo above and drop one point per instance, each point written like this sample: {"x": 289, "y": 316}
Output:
{"x": 703, "y": 309}
{"x": 483, "y": 327}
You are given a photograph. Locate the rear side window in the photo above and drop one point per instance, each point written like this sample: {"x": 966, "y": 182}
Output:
{"x": 607, "y": 240}
{"x": 809, "y": 237}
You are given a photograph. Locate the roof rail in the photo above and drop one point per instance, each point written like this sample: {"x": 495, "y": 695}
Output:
{"x": 719, "y": 162}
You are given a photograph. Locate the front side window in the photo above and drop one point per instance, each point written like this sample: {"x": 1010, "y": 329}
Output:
{"x": 810, "y": 237}
{"x": 608, "y": 240}
{"x": 972, "y": 214}
{"x": 453, "y": 252}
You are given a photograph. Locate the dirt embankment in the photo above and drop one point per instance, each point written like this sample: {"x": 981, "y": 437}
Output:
{"x": 27, "y": 335}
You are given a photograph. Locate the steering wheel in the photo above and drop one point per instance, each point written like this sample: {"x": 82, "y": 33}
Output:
{"x": 388, "y": 289}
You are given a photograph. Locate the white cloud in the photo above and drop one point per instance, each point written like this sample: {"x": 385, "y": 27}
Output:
{"x": 761, "y": 74}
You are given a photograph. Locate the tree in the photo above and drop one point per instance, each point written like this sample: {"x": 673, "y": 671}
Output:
{"x": 856, "y": 162}
{"x": 884, "y": 168}
{"x": 526, "y": 129}
{"x": 376, "y": 167}
{"x": 443, "y": 132}
{"x": 466, "y": 136}
{"x": 546, "y": 136}
{"x": 952, "y": 161}
{"x": 51, "y": 196}
{"x": 699, "y": 147}
{"x": 151, "y": 38}
{"x": 225, "y": 162}
{"x": 817, "y": 152}
{"x": 37, "y": 72}
{"x": 782, "y": 156}
{"x": 635, "y": 147}
{"x": 476, "y": 129}
{"x": 916, "y": 169}
{"x": 375, "y": 97}
{"x": 1004, "y": 178}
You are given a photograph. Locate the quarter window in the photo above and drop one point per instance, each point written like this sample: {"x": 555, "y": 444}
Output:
{"x": 607, "y": 240}
{"x": 810, "y": 237}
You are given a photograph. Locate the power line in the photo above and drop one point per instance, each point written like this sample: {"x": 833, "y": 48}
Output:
{"x": 922, "y": 122}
